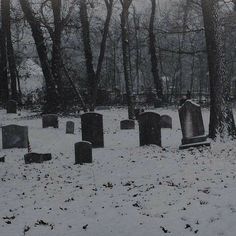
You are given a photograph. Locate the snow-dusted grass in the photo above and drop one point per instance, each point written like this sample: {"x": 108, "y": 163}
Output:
{"x": 128, "y": 190}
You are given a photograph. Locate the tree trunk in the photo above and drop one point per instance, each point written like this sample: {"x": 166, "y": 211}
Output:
{"x": 221, "y": 116}
{"x": 153, "y": 52}
{"x": 125, "y": 48}
{"x": 51, "y": 92}
{"x": 10, "y": 50}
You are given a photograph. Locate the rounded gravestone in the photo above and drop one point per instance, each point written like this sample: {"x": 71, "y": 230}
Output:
{"x": 11, "y": 106}
{"x": 92, "y": 129}
{"x": 83, "y": 152}
{"x": 149, "y": 128}
{"x": 127, "y": 124}
{"x": 166, "y": 122}
{"x": 50, "y": 120}
{"x": 70, "y": 127}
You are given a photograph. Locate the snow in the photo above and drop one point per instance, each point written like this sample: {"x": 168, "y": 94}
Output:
{"x": 128, "y": 190}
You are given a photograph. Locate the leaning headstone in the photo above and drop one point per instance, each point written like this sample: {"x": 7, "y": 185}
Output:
{"x": 149, "y": 128}
{"x": 127, "y": 124}
{"x": 166, "y": 122}
{"x": 50, "y": 120}
{"x": 192, "y": 125}
{"x": 83, "y": 152}
{"x": 11, "y": 106}
{"x": 92, "y": 129}
{"x": 70, "y": 127}
{"x": 14, "y": 136}
{"x": 37, "y": 158}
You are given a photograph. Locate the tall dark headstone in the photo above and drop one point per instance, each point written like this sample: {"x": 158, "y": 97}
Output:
{"x": 14, "y": 136}
{"x": 83, "y": 152}
{"x": 166, "y": 122}
{"x": 12, "y": 106}
{"x": 37, "y": 157}
{"x": 149, "y": 129}
{"x": 127, "y": 124}
{"x": 192, "y": 125}
{"x": 50, "y": 120}
{"x": 92, "y": 129}
{"x": 70, "y": 127}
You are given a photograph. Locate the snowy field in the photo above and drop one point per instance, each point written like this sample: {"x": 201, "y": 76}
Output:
{"x": 127, "y": 191}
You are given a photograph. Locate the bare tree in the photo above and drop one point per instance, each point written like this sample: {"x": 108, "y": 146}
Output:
{"x": 153, "y": 53}
{"x": 221, "y": 116}
{"x": 94, "y": 76}
{"x": 52, "y": 100}
{"x": 125, "y": 48}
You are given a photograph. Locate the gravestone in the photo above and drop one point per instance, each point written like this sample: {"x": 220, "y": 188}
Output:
{"x": 149, "y": 129}
{"x": 37, "y": 158}
{"x": 2, "y": 159}
{"x": 83, "y": 152}
{"x": 92, "y": 129}
{"x": 50, "y": 120}
{"x": 14, "y": 136}
{"x": 127, "y": 124}
{"x": 12, "y": 106}
{"x": 166, "y": 122}
{"x": 70, "y": 127}
{"x": 192, "y": 125}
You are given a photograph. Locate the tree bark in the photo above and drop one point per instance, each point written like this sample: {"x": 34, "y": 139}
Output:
{"x": 153, "y": 53}
{"x": 221, "y": 116}
{"x": 37, "y": 33}
{"x": 125, "y": 48}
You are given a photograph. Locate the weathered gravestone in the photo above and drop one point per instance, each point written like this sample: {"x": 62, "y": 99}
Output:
{"x": 37, "y": 158}
{"x": 166, "y": 122}
{"x": 127, "y": 124}
{"x": 11, "y": 106}
{"x": 149, "y": 128}
{"x": 50, "y": 120}
{"x": 70, "y": 127}
{"x": 14, "y": 136}
{"x": 92, "y": 129}
{"x": 192, "y": 125}
{"x": 83, "y": 152}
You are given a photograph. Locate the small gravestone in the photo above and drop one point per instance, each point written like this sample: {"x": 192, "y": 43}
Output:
{"x": 127, "y": 124}
{"x": 92, "y": 129}
{"x": 70, "y": 127}
{"x": 50, "y": 120}
{"x": 2, "y": 159}
{"x": 149, "y": 128}
{"x": 14, "y": 136}
{"x": 166, "y": 122}
{"x": 37, "y": 158}
{"x": 83, "y": 152}
{"x": 192, "y": 125}
{"x": 12, "y": 106}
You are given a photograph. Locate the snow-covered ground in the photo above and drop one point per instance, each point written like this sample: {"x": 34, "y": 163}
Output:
{"x": 127, "y": 191}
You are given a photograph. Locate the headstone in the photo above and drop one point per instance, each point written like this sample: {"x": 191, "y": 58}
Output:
{"x": 12, "y": 106}
{"x": 50, "y": 120}
{"x": 37, "y": 158}
{"x": 2, "y": 159}
{"x": 149, "y": 128}
{"x": 14, "y": 136}
{"x": 166, "y": 122}
{"x": 83, "y": 152}
{"x": 127, "y": 124}
{"x": 192, "y": 125}
{"x": 92, "y": 129}
{"x": 70, "y": 127}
